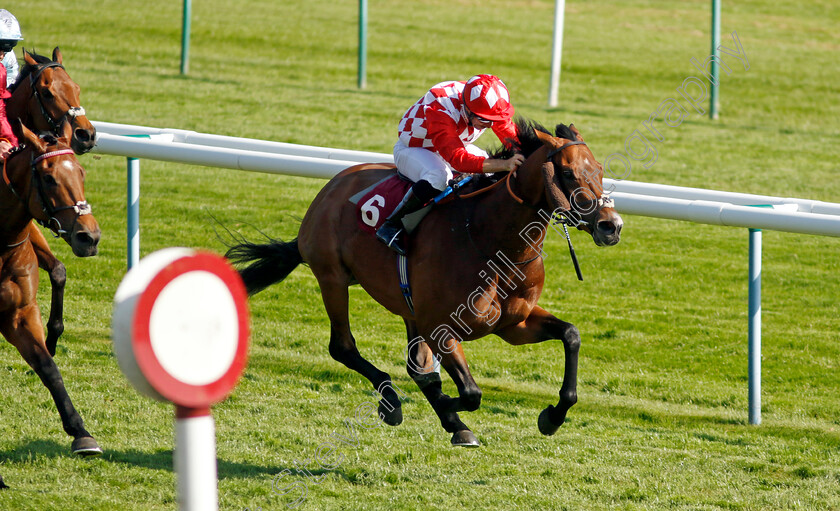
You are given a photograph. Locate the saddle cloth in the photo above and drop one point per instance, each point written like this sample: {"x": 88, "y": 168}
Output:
{"x": 376, "y": 202}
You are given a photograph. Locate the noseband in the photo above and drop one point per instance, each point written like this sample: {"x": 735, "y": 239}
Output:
{"x": 71, "y": 113}
{"x": 81, "y": 208}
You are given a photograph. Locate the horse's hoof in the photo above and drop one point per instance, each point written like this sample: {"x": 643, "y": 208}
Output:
{"x": 547, "y": 427}
{"x": 2, "y": 484}
{"x": 86, "y": 446}
{"x": 465, "y": 438}
{"x": 390, "y": 415}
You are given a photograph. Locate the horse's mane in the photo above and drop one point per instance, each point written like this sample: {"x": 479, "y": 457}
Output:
{"x": 528, "y": 141}
{"x": 527, "y": 144}
{"x": 26, "y": 69}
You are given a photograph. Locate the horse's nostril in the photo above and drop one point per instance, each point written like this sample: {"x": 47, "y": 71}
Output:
{"x": 607, "y": 227}
{"x": 82, "y": 135}
{"x": 85, "y": 239}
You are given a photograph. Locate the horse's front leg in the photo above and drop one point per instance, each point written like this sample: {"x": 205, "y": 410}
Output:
{"x": 421, "y": 367}
{"x": 540, "y": 326}
{"x": 58, "y": 277}
{"x": 451, "y": 356}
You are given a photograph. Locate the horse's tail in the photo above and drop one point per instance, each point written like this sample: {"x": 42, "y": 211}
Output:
{"x": 268, "y": 263}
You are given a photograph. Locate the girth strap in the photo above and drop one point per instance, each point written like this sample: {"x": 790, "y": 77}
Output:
{"x": 405, "y": 287}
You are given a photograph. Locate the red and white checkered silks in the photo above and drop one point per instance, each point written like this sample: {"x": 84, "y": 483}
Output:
{"x": 445, "y": 98}
{"x": 438, "y": 122}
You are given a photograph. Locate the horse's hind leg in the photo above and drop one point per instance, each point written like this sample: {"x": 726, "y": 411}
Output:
{"x": 541, "y": 326}
{"x": 343, "y": 348}
{"x": 58, "y": 276}
{"x": 420, "y": 366}
{"x": 28, "y": 337}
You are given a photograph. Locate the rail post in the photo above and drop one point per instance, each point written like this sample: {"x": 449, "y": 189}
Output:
{"x": 185, "y": 37}
{"x": 133, "y": 212}
{"x": 363, "y": 16}
{"x": 714, "y": 103}
{"x": 556, "y": 52}
{"x": 754, "y": 329}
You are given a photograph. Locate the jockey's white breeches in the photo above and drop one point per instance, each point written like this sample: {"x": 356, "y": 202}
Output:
{"x": 419, "y": 163}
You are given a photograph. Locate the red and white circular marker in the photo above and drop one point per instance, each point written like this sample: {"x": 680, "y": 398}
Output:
{"x": 180, "y": 327}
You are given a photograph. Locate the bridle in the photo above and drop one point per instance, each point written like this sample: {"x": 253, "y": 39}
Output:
{"x": 52, "y": 223}
{"x": 603, "y": 201}
{"x": 72, "y": 112}
{"x": 563, "y": 217}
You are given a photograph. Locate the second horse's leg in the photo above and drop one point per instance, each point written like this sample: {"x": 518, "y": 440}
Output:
{"x": 420, "y": 366}
{"x": 58, "y": 276}
{"x": 452, "y": 358}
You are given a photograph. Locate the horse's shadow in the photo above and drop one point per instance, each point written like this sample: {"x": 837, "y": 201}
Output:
{"x": 154, "y": 460}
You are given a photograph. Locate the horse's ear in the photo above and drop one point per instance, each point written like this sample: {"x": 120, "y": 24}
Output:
{"x": 57, "y": 55}
{"x": 31, "y": 138}
{"x": 29, "y": 59}
{"x": 543, "y": 137}
{"x": 576, "y": 132}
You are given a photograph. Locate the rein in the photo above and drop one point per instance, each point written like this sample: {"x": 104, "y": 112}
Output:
{"x": 72, "y": 112}
{"x": 602, "y": 202}
{"x": 81, "y": 208}
{"x": 506, "y": 181}
{"x": 21, "y": 242}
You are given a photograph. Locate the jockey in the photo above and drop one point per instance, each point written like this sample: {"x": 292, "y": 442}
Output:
{"x": 9, "y": 37}
{"x": 436, "y": 138}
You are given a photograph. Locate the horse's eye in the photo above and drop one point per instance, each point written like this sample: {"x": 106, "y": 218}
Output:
{"x": 49, "y": 180}
{"x": 568, "y": 173}
{"x": 47, "y": 94}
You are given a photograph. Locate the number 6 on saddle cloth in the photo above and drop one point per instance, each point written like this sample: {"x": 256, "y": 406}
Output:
{"x": 376, "y": 202}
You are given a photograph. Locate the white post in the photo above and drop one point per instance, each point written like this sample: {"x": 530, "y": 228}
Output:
{"x": 556, "y": 52}
{"x": 195, "y": 459}
{"x": 133, "y": 216}
{"x": 754, "y": 327}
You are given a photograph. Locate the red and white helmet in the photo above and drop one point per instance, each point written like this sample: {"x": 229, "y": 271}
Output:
{"x": 486, "y": 96}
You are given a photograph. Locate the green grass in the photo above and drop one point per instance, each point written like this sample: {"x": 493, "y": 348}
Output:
{"x": 661, "y": 421}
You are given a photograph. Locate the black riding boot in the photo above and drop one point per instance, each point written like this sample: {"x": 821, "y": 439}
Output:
{"x": 390, "y": 233}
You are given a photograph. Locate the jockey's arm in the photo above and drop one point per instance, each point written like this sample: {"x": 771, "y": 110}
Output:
{"x": 507, "y": 133}
{"x": 447, "y": 143}
{"x": 5, "y": 148}
{"x": 497, "y": 165}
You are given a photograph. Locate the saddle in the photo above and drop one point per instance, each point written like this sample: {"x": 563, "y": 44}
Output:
{"x": 376, "y": 202}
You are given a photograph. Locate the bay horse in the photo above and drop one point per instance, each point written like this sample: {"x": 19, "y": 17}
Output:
{"x": 474, "y": 264}
{"x": 43, "y": 180}
{"x": 43, "y": 98}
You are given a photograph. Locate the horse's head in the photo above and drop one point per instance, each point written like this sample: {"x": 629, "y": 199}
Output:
{"x": 54, "y": 99}
{"x": 54, "y": 193}
{"x": 573, "y": 185}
